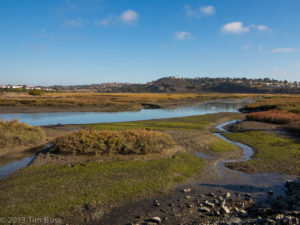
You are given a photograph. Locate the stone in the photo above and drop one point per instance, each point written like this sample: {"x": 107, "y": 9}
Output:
{"x": 270, "y": 221}
{"x": 225, "y": 209}
{"x": 190, "y": 205}
{"x": 217, "y": 213}
{"x": 157, "y": 204}
{"x": 270, "y": 192}
{"x": 204, "y": 209}
{"x": 212, "y": 195}
{"x": 212, "y": 205}
{"x": 155, "y": 219}
{"x": 227, "y": 195}
{"x": 186, "y": 190}
{"x": 188, "y": 197}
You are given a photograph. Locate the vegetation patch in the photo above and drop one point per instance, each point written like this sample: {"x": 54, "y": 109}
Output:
{"x": 14, "y": 133}
{"x": 90, "y": 141}
{"x": 274, "y": 116}
{"x": 53, "y": 190}
{"x": 200, "y": 122}
{"x": 273, "y": 153}
{"x": 289, "y": 103}
{"x": 220, "y": 145}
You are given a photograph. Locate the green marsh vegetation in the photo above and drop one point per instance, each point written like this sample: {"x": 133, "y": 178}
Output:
{"x": 53, "y": 190}
{"x": 58, "y": 190}
{"x": 273, "y": 153}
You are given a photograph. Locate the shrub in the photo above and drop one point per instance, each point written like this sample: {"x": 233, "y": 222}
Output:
{"x": 35, "y": 92}
{"x": 14, "y": 133}
{"x": 123, "y": 142}
{"x": 274, "y": 116}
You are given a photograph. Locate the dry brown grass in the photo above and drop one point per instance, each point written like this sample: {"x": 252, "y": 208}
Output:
{"x": 14, "y": 133}
{"x": 274, "y": 116}
{"x": 114, "y": 100}
{"x": 95, "y": 142}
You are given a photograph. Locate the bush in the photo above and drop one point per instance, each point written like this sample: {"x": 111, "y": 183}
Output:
{"x": 13, "y": 133}
{"x": 274, "y": 116}
{"x": 122, "y": 142}
{"x": 35, "y": 92}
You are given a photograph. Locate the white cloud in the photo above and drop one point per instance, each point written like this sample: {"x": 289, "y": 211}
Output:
{"x": 282, "y": 50}
{"x": 129, "y": 16}
{"x": 199, "y": 12}
{"x": 262, "y": 27}
{"x": 79, "y": 22}
{"x": 183, "y": 35}
{"x": 235, "y": 28}
{"x": 208, "y": 10}
{"x": 238, "y": 28}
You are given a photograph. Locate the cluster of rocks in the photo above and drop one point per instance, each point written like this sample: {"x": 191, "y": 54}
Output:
{"x": 229, "y": 208}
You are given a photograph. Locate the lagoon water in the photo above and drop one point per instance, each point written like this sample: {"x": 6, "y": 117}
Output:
{"x": 43, "y": 119}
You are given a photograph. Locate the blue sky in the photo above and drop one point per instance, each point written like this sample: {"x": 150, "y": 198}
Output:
{"x": 47, "y": 42}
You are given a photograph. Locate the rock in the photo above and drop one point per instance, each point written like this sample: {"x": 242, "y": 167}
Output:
{"x": 247, "y": 195}
{"x": 157, "y": 204}
{"x": 188, "y": 197}
{"x": 227, "y": 195}
{"x": 216, "y": 201}
{"x": 190, "y": 205}
{"x": 217, "y": 213}
{"x": 212, "y": 195}
{"x": 269, "y": 221}
{"x": 270, "y": 192}
{"x": 212, "y": 205}
{"x": 186, "y": 190}
{"x": 235, "y": 221}
{"x": 204, "y": 209}
{"x": 242, "y": 212}
{"x": 201, "y": 196}
{"x": 225, "y": 209}
{"x": 278, "y": 217}
{"x": 163, "y": 211}
{"x": 155, "y": 219}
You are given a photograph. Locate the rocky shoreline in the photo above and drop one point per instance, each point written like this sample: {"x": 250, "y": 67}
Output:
{"x": 229, "y": 208}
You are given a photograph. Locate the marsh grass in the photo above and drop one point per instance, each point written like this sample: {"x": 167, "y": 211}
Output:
{"x": 273, "y": 153}
{"x": 274, "y": 116}
{"x": 220, "y": 145}
{"x": 13, "y": 133}
{"x": 90, "y": 141}
{"x": 289, "y": 103}
{"x": 53, "y": 190}
{"x": 200, "y": 122}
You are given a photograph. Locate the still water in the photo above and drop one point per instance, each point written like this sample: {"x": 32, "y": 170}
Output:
{"x": 43, "y": 119}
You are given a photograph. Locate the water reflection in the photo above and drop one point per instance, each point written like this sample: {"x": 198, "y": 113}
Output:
{"x": 42, "y": 119}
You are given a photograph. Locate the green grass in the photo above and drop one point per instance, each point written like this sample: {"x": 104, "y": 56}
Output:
{"x": 220, "y": 145}
{"x": 190, "y": 122}
{"x": 273, "y": 153}
{"x": 53, "y": 190}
